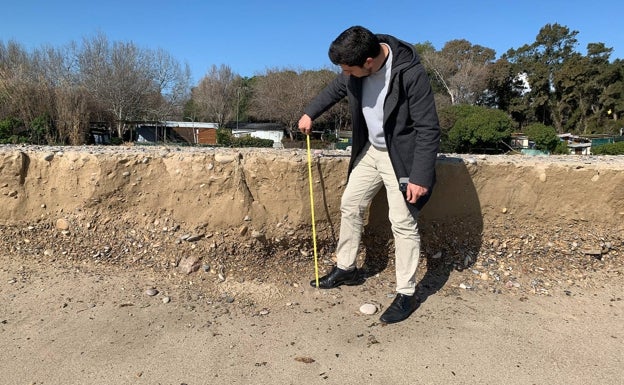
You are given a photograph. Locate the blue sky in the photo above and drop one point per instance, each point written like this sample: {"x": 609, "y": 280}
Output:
{"x": 252, "y": 36}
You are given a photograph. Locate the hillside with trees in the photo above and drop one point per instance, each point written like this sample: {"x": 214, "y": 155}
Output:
{"x": 56, "y": 95}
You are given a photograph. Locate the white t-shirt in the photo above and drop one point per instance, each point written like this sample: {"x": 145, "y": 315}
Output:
{"x": 374, "y": 90}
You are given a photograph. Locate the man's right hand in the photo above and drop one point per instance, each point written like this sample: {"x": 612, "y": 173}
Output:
{"x": 305, "y": 124}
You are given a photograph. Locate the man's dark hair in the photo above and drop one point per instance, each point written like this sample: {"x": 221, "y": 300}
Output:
{"x": 354, "y": 46}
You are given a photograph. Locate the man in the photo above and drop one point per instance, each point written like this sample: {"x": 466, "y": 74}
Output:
{"x": 395, "y": 143}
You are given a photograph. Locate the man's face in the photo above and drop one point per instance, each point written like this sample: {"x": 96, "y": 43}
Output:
{"x": 358, "y": 71}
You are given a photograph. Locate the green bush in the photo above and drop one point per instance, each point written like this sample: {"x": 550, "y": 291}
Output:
{"x": 616, "y": 148}
{"x": 41, "y": 130}
{"x": 250, "y": 141}
{"x": 116, "y": 141}
{"x": 225, "y": 138}
{"x": 8, "y": 127}
{"x": 479, "y": 129}
{"x": 545, "y": 137}
{"x": 561, "y": 148}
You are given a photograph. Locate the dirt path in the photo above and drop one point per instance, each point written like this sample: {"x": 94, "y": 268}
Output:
{"x": 88, "y": 325}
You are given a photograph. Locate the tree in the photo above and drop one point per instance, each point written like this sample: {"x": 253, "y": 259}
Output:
{"x": 26, "y": 93}
{"x": 539, "y": 62}
{"x": 215, "y": 99}
{"x": 281, "y": 95}
{"x": 67, "y": 120}
{"x": 460, "y": 68}
{"x": 119, "y": 77}
{"x": 503, "y": 85}
{"x": 56, "y": 92}
{"x": 612, "y": 97}
{"x": 172, "y": 85}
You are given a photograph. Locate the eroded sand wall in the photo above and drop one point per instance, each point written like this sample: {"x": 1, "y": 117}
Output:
{"x": 220, "y": 188}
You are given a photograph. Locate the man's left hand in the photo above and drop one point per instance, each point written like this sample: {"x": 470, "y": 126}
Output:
{"x": 414, "y": 192}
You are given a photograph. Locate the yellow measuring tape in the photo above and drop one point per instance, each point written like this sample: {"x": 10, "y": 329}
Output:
{"x": 316, "y": 275}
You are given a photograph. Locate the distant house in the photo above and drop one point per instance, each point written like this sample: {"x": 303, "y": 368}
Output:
{"x": 171, "y": 131}
{"x": 99, "y": 133}
{"x": 520, "y": 141}
{"x": 580, "y": 148}
{"x": 196, "y": 132}
{"x": 272, "y": 131}
{"x": 576, "y": 144}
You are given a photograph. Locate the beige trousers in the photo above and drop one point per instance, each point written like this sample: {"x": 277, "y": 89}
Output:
{"x": 373, "y": 169}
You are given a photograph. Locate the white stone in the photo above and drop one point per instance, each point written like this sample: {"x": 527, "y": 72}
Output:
{"x": 368, "y": 309}
{"x": 151, "y": 292}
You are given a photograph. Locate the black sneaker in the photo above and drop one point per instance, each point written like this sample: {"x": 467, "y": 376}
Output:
{"x": 337, "y": 277}
{"x": 401, "y": 308}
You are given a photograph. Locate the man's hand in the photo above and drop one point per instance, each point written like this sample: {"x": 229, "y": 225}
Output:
{"x": 305, "y": 124}
{"x": 414, "y": 192}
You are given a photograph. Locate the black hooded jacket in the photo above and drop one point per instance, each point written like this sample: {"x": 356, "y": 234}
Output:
{"x": 410, "y": 126}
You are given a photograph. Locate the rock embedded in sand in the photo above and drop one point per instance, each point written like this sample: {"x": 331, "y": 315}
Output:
{"x": 189, "y": 265}
{"x": 151, "y": 292}
{"x": 368, "y": 309}
{"x": 62, "y": 224}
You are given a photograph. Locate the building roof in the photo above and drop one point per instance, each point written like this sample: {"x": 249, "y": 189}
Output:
{"x": 191, "y": 124}
{"x": 256, "y": 126}
{"x": 579, "y": 145}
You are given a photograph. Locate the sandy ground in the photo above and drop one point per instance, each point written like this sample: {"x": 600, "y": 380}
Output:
{"x": 521, "y": 276}
{"x": 85, "y": 324}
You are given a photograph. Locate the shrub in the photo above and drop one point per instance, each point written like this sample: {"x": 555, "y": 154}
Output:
{"x": 545, "y": 137}
{"x": 250, "y": 141}
{"x": 616, "y": 148}
{"x": 9, "y": 128}
{"x": 41, "y": 130}
{"x": 116, "y": 141}
{"x": 225, "y": 138}
{"x": 561, "y": 148}
{"x": 479, "y": 129}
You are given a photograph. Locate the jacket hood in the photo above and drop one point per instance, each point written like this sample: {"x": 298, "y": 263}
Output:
{"x": 404, "y": 54}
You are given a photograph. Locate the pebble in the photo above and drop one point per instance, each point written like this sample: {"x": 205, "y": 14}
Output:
{"x": 368, "y": 309}
{"x": 166, "y": 299}
{"x": 151, "y": 292}
{"x": 189, "y": 265}
{"x": 62, "y": 224}
{"x": 194, "y": 238}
